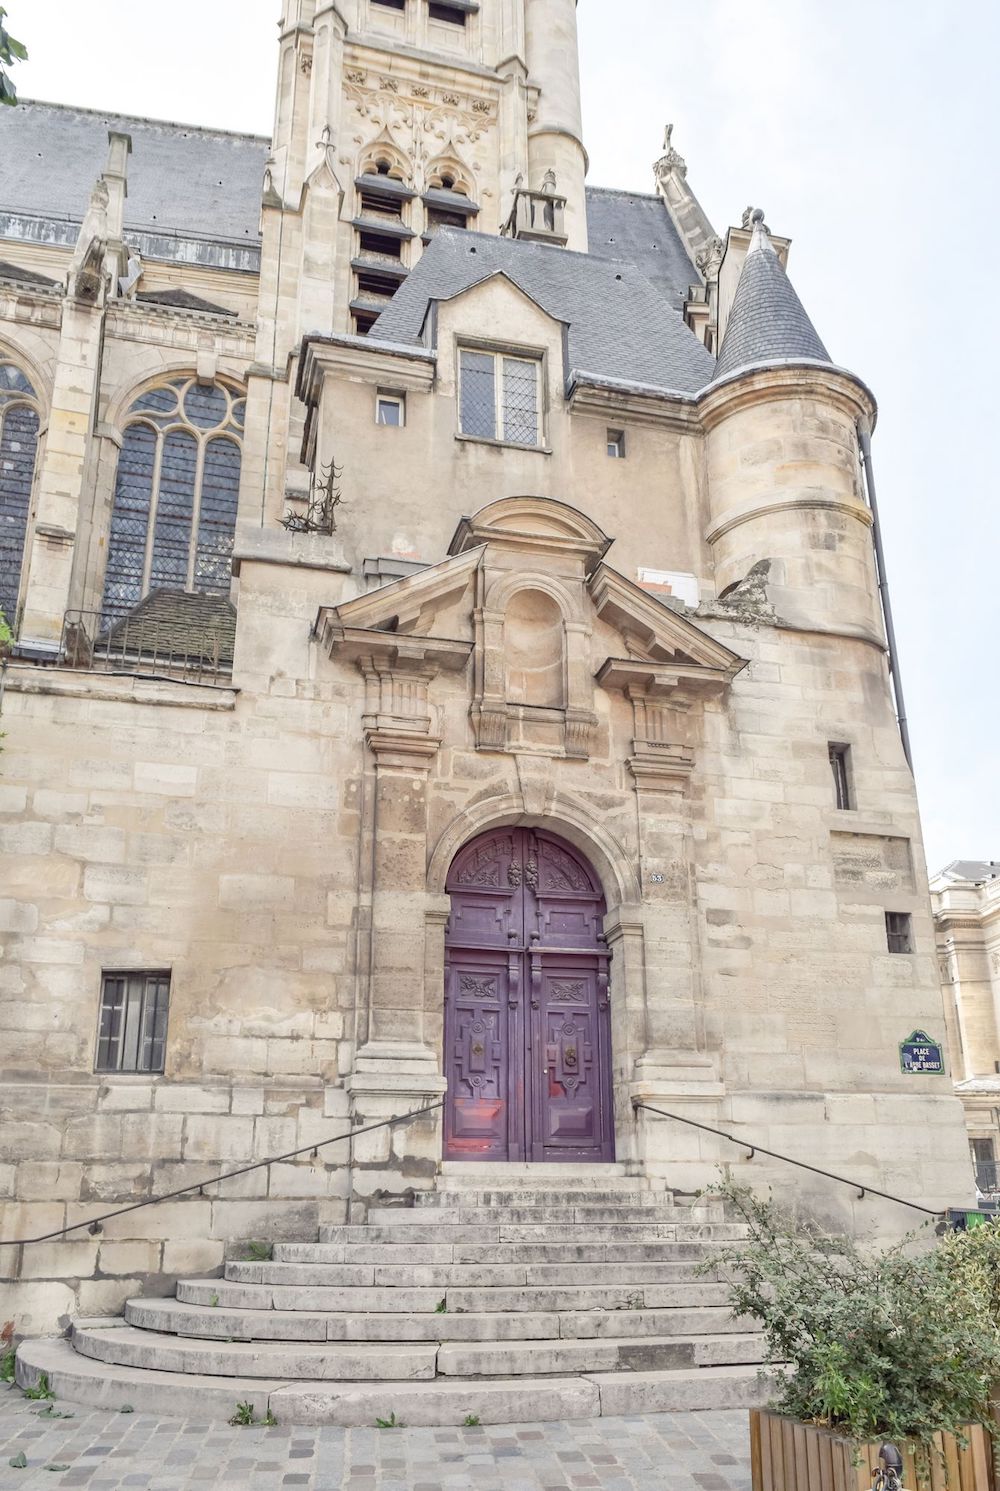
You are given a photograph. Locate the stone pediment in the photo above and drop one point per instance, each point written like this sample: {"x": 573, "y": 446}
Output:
{"x": 654, "y": 635}
{"x": 520, "y": 594}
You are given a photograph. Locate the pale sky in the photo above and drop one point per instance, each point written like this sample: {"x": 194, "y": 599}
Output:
{"x": 867, "y": 130}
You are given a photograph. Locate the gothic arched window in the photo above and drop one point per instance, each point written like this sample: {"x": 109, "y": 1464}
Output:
{"x": 178, "y": 481}
{"x": 19, "y": 424}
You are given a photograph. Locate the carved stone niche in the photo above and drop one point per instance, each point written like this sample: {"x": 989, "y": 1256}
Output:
{"x": 533, "y": 685}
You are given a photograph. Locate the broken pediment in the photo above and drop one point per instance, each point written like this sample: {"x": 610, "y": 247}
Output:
{"x": 519, "y": 595}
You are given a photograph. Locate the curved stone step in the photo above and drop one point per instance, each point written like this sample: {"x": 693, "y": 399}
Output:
{"x": 420, "y": 1275}
{"x": 597, "y": 1354}
{"x": 457, "y": 1300}
{"x": 241, "y": 1323}
{"x": 457, "y": 1200}
{"x": 443, "y": 1402}
{"x": 407, "y": 1232}
{"x": 304, "y": 1361}
{"x": 535, "y": 1216}
{"x": 676, "y": 1254}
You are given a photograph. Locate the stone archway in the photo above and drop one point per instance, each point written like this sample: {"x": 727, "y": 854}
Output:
{"x": 527, "y": 1028}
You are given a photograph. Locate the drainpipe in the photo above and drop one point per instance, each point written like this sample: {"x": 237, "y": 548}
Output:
{"x": 865, "y": 443}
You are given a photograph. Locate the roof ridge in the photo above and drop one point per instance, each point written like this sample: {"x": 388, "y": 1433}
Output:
{"x": 624, "y": 191}
{"x": 201, "y": 129}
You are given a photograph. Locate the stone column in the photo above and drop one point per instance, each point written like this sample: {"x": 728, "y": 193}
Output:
{"x": 555, "y": 135}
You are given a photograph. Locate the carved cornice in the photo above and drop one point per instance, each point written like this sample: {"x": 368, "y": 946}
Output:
{"x": 661, "y": 679}
{"x": 392, "y": 651}
{"x": 634, "y": 612}
{"x": 660, "y": 767}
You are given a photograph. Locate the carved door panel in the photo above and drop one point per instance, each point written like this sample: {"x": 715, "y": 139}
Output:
{"x": 484, "y": 1084}
{"x": 572, "y": 1096}
{"x": 527, "y": 1022}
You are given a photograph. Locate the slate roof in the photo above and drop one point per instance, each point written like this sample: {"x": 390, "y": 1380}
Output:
{"x": 768, "y": 322}
{"x": 183, "y": 300}
{"x": 977, "y": 870}
{"x": 177, "y": 627}
{"x": 24, "y": 276}
{"x": 181, "y": 179}
{"x": 620, "y": 327}
{"x": 639, "y": 229}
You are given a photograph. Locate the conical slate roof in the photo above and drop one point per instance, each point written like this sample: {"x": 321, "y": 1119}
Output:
{"x": 768, "y": 322}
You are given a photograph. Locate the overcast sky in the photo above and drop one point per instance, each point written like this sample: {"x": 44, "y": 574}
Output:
{"x": 867, "y": 129}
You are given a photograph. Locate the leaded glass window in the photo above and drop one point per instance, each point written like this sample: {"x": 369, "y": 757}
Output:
{"x": 174, "y": 514}
{"x": 499, "y": 397}
{"x": 18, "y": 447}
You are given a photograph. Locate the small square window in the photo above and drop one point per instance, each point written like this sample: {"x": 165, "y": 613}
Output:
{"x": 390, "y": 409}
{"x": 840, "y": 765}
{"x": 132, "y": 1034}
{"x": 616, "y": 444}
{"x": 899, "y": 931}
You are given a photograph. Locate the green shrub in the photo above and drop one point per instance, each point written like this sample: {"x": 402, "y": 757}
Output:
{"x": 898, "y": 1343}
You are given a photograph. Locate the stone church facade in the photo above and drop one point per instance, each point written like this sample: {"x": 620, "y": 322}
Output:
{"x": 448, "y": 670}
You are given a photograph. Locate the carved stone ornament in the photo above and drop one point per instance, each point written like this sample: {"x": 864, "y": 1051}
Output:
{"x": 671, "y": 161}
{"x": 357, "y": 77}
{"x": 709, "y": 259}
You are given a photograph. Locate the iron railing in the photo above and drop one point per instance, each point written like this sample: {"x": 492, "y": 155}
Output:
{"x": 988, "y": 1179}
{"x": 862, "y": 1188}
{"x": 186, "y": 648}
{"x": 94, "y": 1224}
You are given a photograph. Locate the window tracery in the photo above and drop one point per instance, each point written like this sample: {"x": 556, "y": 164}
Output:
{"x": 174, "y": 515}
{"x": 19, "y": 426}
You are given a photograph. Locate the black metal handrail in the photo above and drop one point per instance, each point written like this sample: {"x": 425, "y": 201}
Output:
{"x": 862, "y": 1190}
{"x": 93, "y": 1224}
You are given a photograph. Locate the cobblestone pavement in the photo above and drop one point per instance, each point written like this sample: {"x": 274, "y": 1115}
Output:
{"x": 104, "y": 1451}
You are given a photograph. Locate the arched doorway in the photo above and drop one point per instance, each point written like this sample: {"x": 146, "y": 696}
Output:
{"x": 527, "y": 1029}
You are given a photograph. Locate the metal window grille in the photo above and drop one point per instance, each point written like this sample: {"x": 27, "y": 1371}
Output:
{"x": 132, "y": 1034}
{"x": 840, "y": 767}
{"x": 899, "y": 931}
{"x": 174, "y": 515}
{"x": 18, "y": 446}
{"x": 499, "y": 397}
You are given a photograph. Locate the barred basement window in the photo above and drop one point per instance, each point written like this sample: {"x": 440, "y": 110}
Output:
{"x": 18, "y": 447}
{"x": 132, "y": 1036}
{"x": 499, "y": 397}
{"x": 899, "y": 931}
{"x": 840, "y": 765}
{"x": 174, "y": 514}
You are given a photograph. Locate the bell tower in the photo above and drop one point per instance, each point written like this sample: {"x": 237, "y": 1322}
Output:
{"x": 395, "y": 118}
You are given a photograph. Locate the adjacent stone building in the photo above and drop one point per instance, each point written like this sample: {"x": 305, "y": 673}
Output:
{"x": 449, "y": 671}
{"x": 966, "y": 900}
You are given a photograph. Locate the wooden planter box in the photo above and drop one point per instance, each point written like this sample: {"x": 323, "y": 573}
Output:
{"x": 788, "y": 1456}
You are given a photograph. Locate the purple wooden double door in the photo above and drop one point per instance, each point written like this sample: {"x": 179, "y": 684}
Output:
{"x": 527, "y": 1029}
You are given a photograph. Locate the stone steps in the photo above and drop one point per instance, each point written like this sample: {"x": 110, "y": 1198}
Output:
{"x": 508, "y": 1299}
{"x": 443, "y": 1402}
{"x": 680, "y": 1255}
{"x": 535, "y": 1216}
{"x": 446, "y": 1275}
{"x": 186, "y": 1317}
{"x": 407, "y": 1231}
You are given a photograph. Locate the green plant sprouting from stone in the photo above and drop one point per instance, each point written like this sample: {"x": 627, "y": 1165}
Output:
{"x": 11, "y": 51}
{"x": 900, "y": 1343}
{"x": 244, "y": 1418}
{"x": 259, "y": 1252}
{"x": 392, "y": 1422}
{"x": 41, "y": 1392}
{"x": 471, "y": 1421}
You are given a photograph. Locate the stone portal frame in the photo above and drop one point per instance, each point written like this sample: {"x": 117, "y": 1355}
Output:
{"x": 624, "y": 928}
